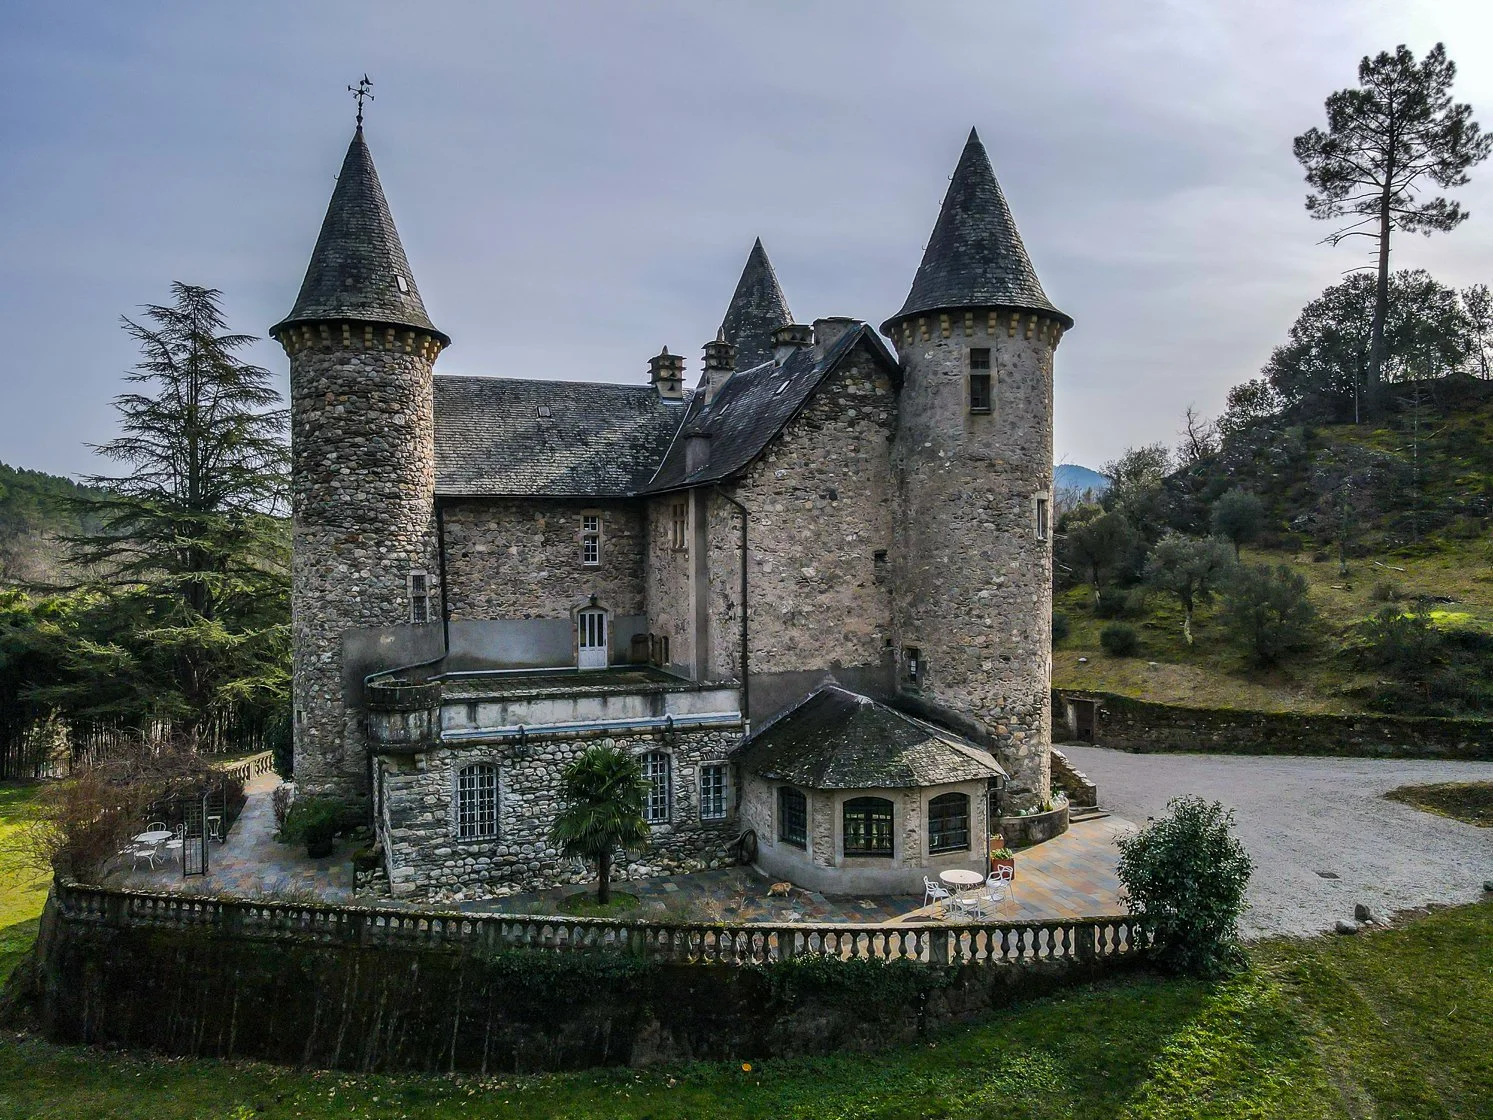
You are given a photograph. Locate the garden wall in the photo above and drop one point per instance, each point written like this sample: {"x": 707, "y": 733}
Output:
{"x": 1143, "y": 726}
{"x": 383, "y": 989}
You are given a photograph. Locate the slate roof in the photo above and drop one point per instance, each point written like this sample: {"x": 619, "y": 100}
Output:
{"x": 757, "y": 309}
{"x": 975, "y": 257}
{"x": 358, "y": 262}
{"x": 492, "y": 438}
{"x": 838, "y": 739}
{"x": 753, "y": 406}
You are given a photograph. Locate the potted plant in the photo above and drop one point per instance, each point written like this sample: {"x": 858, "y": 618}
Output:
{"x": 313, "y": 821}
{"x": 1003, "y": 857}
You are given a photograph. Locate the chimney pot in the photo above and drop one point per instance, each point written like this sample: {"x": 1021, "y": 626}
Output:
{"x": 666, "y": 372}
{"x": 696, "y": 449}
{"x": 828, "y": 331}
{"x": 788, "y": 338}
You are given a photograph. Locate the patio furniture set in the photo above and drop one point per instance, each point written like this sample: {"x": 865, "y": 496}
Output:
{"x": 968, "y": 893}
{"x": 159, "y": 844}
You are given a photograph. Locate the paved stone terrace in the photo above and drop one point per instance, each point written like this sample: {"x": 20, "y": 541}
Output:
{"x": 1071, "y": 876}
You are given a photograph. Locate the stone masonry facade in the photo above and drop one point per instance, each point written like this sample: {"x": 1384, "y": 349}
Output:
{"x": 974, "y": 578}
{"x": 521, "y": 557}
{"x": 363, "y": 489}
{"x": 426, "y": 857}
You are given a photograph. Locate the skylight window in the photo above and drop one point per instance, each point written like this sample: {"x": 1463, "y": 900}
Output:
{"x": 780, "y": 388}
{"x": 403, "y": 283}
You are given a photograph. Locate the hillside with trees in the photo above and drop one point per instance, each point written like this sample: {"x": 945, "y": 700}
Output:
{"x": 38, "y": 512}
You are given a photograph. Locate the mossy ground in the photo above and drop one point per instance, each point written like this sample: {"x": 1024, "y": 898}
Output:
{"x": 1463, "y": 801}
{"x": 1390, "y": 1024}
{"x": 583, "y": 904}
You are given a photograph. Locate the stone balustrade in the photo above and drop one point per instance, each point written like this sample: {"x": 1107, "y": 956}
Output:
{"x": 247, "y": 769}
{"x": 1073, "y": 940}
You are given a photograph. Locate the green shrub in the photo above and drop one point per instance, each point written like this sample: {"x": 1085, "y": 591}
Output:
{"x": 313, "y": 821}
{"x": 1267, "y": 612}
{"x": 1119, "y": 639}
{"x": 1060, "y": 627}
{"x": 1184, "y": 876}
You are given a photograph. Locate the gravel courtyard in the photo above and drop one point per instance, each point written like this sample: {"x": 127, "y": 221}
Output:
{"x": 1302, "y": 816}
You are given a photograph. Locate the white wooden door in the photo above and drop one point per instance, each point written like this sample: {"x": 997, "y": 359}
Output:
{"x": 591, "y": 630}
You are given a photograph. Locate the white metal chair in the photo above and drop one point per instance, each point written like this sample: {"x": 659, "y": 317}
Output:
{"x": 998, "y": 886}
{"x": 174, "y": 845}
{"x": 933, "y": 892}
{"x": 156, "y": 826}
{"x": 137, "y": 852}
{"x": 972, "y": 903}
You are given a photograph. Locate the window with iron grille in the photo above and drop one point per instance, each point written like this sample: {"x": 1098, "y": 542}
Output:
{"x": 656, "y": 772}
{"x": 591, "y": 539}
{"x": 419, "y": 588}
{"x": 678, "y": 526}
{"x": 793, "y": 817}
{"x": 868, "y": 826}
{"x": 713, "y": 792}
{"x": 979, "y": 392}
{"x": 979, "y": 357}
{"x": 477, "y": 801}
{"x": 948, "y": 823}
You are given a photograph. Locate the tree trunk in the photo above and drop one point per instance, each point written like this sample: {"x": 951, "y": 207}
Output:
{"x": 1187, "y": 624}
{"x": 1381, "y": 302}
{"x": 604, "y": 878}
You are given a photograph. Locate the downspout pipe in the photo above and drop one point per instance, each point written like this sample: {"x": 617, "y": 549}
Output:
{"x": 746, "y": 676}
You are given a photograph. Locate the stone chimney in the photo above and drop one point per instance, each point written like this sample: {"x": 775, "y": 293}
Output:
{"x": 829, "y": 331}
{"x": 788, "y": 338}
{"x": 696, "y": 449}
{"x": 720, "y": 361}
{"x": 666, "y": 371}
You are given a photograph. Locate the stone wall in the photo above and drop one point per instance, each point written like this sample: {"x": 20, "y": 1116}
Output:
{"x": 973, "y": 579}
{"x": 362, "y": 509}
{"x": 425, "y": 858}
{"x": 822, "y": 865}
{"x": 669, "y": 597}
{"x": 1139, "y": 725}
{"x": 1080, "y": 789}
{"x": 820, "y": 502}
{"x": 520, "y": 558}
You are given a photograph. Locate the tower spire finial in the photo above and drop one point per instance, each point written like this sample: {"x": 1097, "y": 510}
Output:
{"x": 361, "y": 92}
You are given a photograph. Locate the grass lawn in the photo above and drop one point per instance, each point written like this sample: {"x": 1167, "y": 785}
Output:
{"x": 1387, "y": 1024}
{"x": 1463, "y": 801}
{"x": 583, "y": 904}
{"x": 22, "y": 890}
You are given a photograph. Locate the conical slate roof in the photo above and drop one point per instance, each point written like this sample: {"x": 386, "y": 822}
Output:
{"x": 358, "y": 269}
{"x": 975, "y": 257}
{"x": 757, "y": 309}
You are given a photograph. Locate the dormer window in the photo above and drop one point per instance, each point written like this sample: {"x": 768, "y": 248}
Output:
{"x": 591, "y": 539}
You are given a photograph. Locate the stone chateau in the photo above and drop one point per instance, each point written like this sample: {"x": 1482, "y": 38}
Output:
{"x": 812, "y": 593}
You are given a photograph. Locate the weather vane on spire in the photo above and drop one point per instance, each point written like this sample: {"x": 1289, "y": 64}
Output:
{"x": 361, "y": 91}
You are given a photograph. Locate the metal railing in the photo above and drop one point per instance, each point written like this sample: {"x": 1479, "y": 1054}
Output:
{"x": 1012, "y": 943}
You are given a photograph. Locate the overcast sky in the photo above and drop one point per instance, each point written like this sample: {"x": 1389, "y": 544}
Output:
{"x": 578, "y": 184}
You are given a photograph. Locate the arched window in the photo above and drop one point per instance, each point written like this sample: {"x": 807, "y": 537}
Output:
{"x": 868, "y": 826}
{"x": 656, "y": 772}
{"x": 793, "y": 817}
{"x": 948, "y": 823}
{"x": 477, "y": 801}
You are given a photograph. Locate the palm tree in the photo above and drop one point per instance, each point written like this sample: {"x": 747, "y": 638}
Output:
{"x": 604, "y": 791}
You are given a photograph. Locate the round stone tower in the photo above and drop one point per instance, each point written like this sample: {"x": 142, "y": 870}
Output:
{"x": 364, "y": 588}
{"x": 973, "y": 452}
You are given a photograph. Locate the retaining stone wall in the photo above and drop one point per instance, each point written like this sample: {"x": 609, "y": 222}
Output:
{"x": 1139, "y": 725}
{"x": 426, "y": 859}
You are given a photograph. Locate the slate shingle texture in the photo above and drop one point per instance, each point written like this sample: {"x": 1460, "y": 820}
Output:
{"x": 753, "y": 406}
{"x": 757, "y": 309}
{"x": 975, "y": 257}
{"x": 511, "y": 436}
{"x": 838, "y": 739}
{"x": 359, "y": 264}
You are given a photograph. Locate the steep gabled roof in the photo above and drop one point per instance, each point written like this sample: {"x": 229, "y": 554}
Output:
{"x": 838, "y": 739}
{"x": 754, "y": 406}
{"x": 975, "y": 257}
{"x": 757, "y": 309}
{"x": 358, "y": 270}
{"x": 500, "y": 435}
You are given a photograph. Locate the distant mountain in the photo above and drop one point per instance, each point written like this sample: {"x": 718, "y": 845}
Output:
{"x": 1070, "y": 476}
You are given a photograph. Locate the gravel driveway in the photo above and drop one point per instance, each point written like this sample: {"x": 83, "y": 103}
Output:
{"x": 1302, "y": 816}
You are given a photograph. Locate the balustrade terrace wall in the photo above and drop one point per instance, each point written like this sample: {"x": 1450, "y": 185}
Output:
{"x": 382, "y": 989}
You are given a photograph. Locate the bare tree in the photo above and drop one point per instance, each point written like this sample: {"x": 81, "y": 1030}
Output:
{"x": 1384, "y": 141}
{"x": 1199, "y": 437}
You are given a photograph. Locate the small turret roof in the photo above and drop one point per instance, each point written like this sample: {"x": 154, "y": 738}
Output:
{"x": 358, "y": 269}
{"x": 975, "y": 257}
{"x": 757, "y": 309}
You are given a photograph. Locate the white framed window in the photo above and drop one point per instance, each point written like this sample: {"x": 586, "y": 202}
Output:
{"x": 678, "y": 526}
{"x": 477, "y": 801}
{"x": 657, "y": 772}
{"x": 419, "y": 592}
{"x": 591, "y": 539}
{"x": 1042, "y": 514}
{"x": 713, "y": 791}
